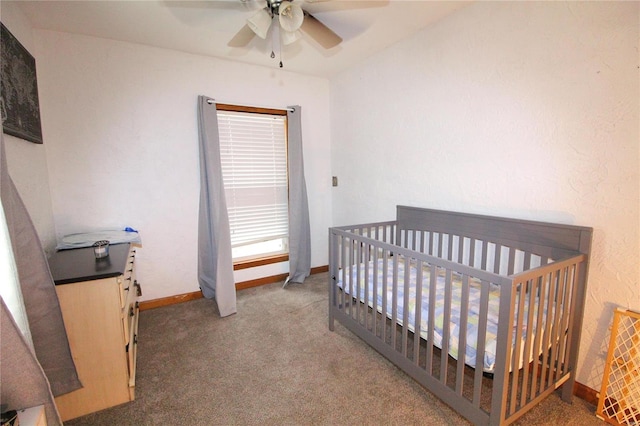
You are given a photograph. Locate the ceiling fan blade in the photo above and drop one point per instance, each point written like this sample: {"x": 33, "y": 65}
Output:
{"x": 253, "y": 4}
{"x": 242, "y": 37}
{"x": 320, "y": 32}
{"x": 317, "y": 5}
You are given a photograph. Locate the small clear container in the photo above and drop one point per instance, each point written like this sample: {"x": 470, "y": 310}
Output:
{"x": 101, "y": 249}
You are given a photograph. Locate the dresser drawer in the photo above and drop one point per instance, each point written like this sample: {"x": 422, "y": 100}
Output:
{"x": 130, "y": 291}
{"x": 127, "y": 279}
{"x": 132, "y": 351}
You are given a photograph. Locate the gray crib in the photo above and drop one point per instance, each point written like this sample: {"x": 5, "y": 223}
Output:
{"x": 484, "y": 312}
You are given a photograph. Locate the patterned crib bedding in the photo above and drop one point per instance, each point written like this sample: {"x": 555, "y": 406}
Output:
{"x": 473, "y": 315}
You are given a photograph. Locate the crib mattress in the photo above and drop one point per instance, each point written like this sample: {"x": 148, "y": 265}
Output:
{"x": 489, "y": 358}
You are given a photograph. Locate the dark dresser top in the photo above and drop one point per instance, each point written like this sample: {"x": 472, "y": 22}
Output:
{"x": 70, "y": 266}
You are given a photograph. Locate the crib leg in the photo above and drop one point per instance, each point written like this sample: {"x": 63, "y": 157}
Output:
{"x": 567, "y": 390}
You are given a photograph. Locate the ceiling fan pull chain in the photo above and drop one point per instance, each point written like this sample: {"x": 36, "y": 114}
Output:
{"x": 274, "y": 35}
{"x": 280, "y": 47}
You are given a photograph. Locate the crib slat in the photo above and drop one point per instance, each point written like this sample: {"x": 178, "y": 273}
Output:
{"x": 527, "y": 261}
{"x": 515, "y": 355}
{"x": 561, "y": 359}
{"x": 558, "y": 335}
{"x": 385, "y": 292}
{"x": 500, "y": 391}
{"x": 423, "y": 237}
{"x": 405, "y": 306}
{"x": 367, "y": 279}
{"x": 433, "y": 272}
{"x": 343, "y": 262}
{"x": 430, "y": 251}
{"x": 472, "y": 252}
{"x": 554, "y": 329}
{"x": 531, "y": 292}
{"x": 359, "y": 272}
{"x": 497, "y": 259}
{"x": 540, "y": 292}
{"x": 568, "y": 308}
{"x": 374, "y": 291}
{"x": 512, "y": 261}
{"x": 557, "y": 332}
{"x": 446, "y": 326}
{"x": 349, "y": 305}
{"x": 418, "y": 313}
{"x": 394, "y": 300}
{"x": 462, "y": 334}
{"x": 550, "y": 289}
{"x": 481, "y": 341}
{"x": 485, "y": 249}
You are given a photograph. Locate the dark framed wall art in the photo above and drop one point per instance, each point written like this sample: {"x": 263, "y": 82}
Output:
{"x": 19, "y": 90}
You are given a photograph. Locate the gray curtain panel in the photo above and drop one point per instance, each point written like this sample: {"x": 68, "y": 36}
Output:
{"x": 24, "y": 383}
{"x": 38, "y": 290}
{"x": 299, "y": 228}
{"x": 215, "y": 264}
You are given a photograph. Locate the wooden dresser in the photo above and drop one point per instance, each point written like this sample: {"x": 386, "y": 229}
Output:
{"x": 98, "y": 299}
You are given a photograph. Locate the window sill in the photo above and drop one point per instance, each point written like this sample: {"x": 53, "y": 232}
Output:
{"x": 245, "y": 264}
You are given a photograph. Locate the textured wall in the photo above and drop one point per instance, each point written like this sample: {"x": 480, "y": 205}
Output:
{"x": 518, "y": 109}
{"x": 27, "y": 161}
{"x": 122, "y": 145}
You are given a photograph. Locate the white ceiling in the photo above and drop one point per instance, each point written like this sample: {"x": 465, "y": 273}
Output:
{"x": 204, "y": 27}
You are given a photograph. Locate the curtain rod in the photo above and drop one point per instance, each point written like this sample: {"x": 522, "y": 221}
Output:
{"x": 210, "y": 101}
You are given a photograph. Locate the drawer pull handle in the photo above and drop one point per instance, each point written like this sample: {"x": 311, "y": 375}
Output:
{"x": 131, "y": 311}
{"x": 135, "y": 339}
{"x": 138, "y": 288}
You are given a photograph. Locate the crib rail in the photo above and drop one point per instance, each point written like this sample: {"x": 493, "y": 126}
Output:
{"x": 373, "y": 269}
{"x": 542, "y": 305}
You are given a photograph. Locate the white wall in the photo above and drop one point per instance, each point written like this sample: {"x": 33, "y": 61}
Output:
{"x": 27, "y": 161}
{"x": 519, "y": 109}
{"x": 122, "y": 145}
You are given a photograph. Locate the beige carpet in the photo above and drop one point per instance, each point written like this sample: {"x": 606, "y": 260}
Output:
{"x": 275, "y": 362}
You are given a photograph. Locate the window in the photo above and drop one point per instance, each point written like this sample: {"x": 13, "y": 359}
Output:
{"x": 253, "y": 151}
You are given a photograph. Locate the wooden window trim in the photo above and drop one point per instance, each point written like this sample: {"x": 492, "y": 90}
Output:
{"x": 255, "y": 110}
{"x": 252, "y": 263}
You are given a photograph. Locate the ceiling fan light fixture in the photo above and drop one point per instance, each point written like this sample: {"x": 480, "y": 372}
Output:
{"x": 291, "y": 16}
{"x": 289, "y": 37}
{"x": 260, "y": 23}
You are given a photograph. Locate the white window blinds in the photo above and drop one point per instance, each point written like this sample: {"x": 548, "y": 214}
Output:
{"x": 253, "y": 152}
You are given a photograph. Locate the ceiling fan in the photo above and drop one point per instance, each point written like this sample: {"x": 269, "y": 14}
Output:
{"x": 288, "y": 18}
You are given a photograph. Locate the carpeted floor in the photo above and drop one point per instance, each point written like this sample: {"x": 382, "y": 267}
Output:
{"x": 275, "y": 362}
